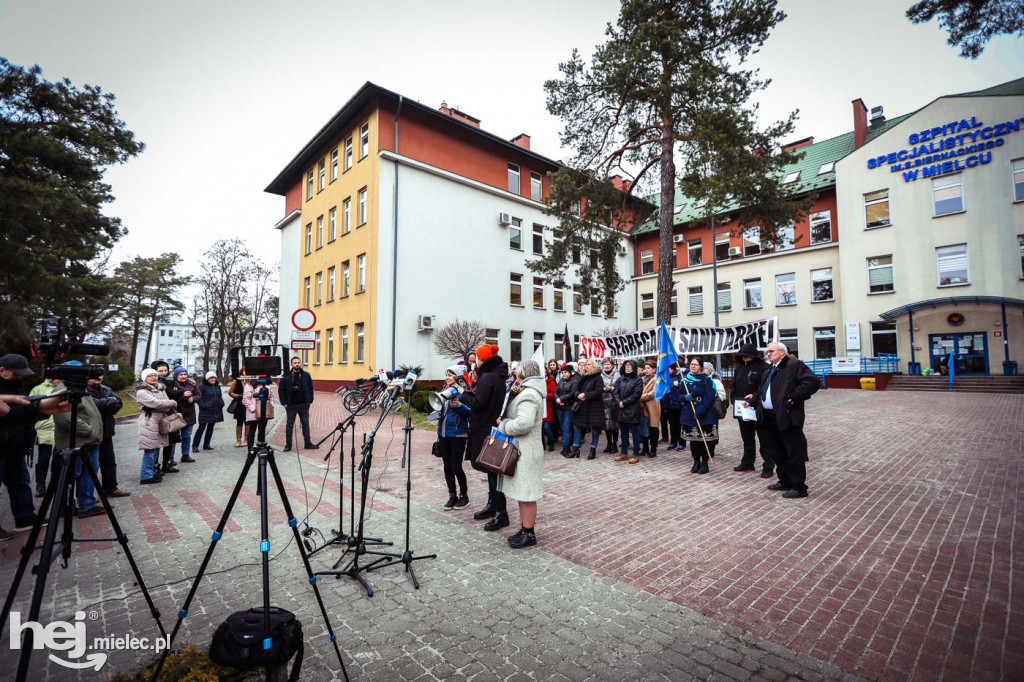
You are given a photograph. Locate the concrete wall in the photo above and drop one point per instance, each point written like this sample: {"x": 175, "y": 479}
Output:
{"x": 289, "y": 276}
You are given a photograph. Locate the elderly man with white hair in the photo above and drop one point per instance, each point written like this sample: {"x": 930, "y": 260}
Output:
{"x": 785, "y": 386}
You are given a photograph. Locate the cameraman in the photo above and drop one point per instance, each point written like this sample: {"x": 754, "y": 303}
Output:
{"x": 88, "y": 436}
{"x": 258, "y": 400}
{"x": 109, "y": 404}
{"x": 44, "y": 438}
{"x": 296, "y": 394}
{"x": 16, "y": 442}
{"x": 163, "y": 373}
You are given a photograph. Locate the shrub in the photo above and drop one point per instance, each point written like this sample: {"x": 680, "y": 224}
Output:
{"x": 421, "y": 400}
{"x": 122, "y": 378}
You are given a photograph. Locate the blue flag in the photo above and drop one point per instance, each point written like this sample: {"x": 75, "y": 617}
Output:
{"x": 666, "y": 357}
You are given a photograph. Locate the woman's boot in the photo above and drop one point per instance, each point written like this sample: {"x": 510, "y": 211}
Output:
{"x": 696, "y": 463}
{"x": 609, "y": 448}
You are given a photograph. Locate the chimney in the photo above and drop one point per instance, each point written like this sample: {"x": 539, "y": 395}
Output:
{"x": 621, "y": 183}
{"x": 521, "y": 140}
{"x": 860, "y": 123}
{"x": 455, "y": 113}
{"x": 793, "y": 146}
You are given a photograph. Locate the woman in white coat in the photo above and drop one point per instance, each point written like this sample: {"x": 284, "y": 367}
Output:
{"x": 154, "y": 404}
{"x": 523, "y": 421}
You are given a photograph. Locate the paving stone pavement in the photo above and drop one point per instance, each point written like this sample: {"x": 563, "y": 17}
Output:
{"x": 903, "y": 563}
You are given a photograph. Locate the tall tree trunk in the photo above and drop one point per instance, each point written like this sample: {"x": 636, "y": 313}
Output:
{"x": 665, "y": 222}
{"x": 149, "y": 342}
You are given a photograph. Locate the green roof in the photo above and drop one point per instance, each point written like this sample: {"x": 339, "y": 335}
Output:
{"x": 815, "y": 157}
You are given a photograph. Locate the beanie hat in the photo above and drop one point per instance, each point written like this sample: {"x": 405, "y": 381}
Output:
{"x": 157, "y": 364}
{"x": 146, "y": 372}
{"x": 178, "y": 370}
{"x": 458, "y": 369}
{"x": 486, "y": 351}
{"x": 709, "y": 367}
{"x": 211, "y": 375}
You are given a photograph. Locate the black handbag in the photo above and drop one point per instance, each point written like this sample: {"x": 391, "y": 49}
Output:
{"x": 435, "y": 448}
{"x": 233, "y": 405}
{"x": 238, "y": 641}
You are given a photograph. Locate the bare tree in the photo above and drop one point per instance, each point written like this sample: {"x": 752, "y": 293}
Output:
{"x": 459, "y": 337}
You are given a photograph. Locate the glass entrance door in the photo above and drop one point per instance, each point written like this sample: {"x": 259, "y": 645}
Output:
{"x": 969, "y": 350}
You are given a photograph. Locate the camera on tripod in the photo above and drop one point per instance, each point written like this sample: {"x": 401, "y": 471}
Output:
{"x": 55, "y": 349}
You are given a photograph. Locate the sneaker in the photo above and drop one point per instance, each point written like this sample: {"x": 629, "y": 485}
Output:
{"x": 671, "y": 447}
{"x": 462, "y": 502}
{"x": 523, "y": 538}
{"x": 5, "y": 534}
{"x": 450, "y": 504}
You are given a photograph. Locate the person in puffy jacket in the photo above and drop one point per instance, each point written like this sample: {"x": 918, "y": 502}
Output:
{"x": 452, "y": 436}
{"x": 44, "y": 438}
{"x": 255, "y": 417}
{"x": 565, "y": 399}
{"x": 555, "y": 372}
{"x": 88, "y": 436}
{"x": 153, "y": 407}
{"x": 109, "y": 404}
{"x": 746, "y": 380}
{"x": 626, "y": 399}
{"x": 611, "y": 409}
{"x": 211, "y": 411}
{"x": 187, "y": 408}
{"x": 590, "y": 407}
{"x": 523, "y": 422}
{"x": 175, "y": 393}
{"x": 699, "y": 423}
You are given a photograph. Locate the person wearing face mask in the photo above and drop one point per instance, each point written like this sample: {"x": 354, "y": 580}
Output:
{"x": 626, "y": 398}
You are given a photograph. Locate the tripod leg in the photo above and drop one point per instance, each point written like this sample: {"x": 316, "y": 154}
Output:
{"x": 305, "y": 560}
{"x": 261, "y": 479}
{"x": 217, "y": 534}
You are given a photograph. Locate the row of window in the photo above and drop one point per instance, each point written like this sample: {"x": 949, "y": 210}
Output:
{"x": 514, "y": 182}
{"x": 343, "y": 346}
{"x": 332, "y": 222}
{"x": 319, "y": 179}
{"x": 883, "y": 340}
{"x": 515, "y": 297}
{"x": 345, "y": 282}
{"x": 951, "y": 267}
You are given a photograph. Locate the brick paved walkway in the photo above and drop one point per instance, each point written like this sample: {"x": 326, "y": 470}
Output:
{"x": 903, "y": 563}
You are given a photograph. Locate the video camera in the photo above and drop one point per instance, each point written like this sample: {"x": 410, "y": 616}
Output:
{"x": 258, "y": 362}
{"x": 55, "y": 349}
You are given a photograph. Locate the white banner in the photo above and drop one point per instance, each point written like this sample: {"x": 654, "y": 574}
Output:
{"x": 687, "y": 340}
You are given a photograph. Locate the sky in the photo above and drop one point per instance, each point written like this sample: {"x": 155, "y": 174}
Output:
{"x": 225, "y": 93}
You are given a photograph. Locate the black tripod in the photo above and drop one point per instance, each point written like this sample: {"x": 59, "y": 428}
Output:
{"x": 264, "y": 455}
{"x": 61, "y": 492}
{"x": 407, "y": 557}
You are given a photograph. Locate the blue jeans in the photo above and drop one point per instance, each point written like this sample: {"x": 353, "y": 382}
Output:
{"x": 86, "y": 489}
{"x": 14, "y": 474}
{"x": 186, "y": 441}
{"x": 565, "y": 419}
{"x": 595, "y": 434}
{"x": 624, "y": 432}
{"x": 149, "y": 458}
{"x": 548, "y": 432}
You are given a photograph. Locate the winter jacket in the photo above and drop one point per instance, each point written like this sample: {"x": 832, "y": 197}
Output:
{"x": 15, "y": 439}
{"x": 454, "y": 421}
{"x": 44, "y": 429}
{"x": 611, "y": 408}
{"x": 485, "y": 401}
{"x": 549, "y": 415}
{"x": 187, "y": 405}
{"x": 88, "y": 428}
{"x": 628, "y": 390}
{"x": 566, "y": 392}
{"x": 211, "y": 404}
{"x": 671, "y": 401}
{"x": 523, "y": 422}
{"x": 746, "y": 380}
{"x": 590, "y": 413}
{"x": 109, "y": 404}
{"x": 153, "y": 407}
{"x": 651, "y": 407}
{"x": 703, "y": 392}
{"x": 793, "y": 381}
{"x": 252, "y": 402}
{"x": 285, "y": 386}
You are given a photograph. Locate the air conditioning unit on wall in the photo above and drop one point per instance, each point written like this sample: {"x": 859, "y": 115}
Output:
{"x": 504, "y": 219}
{"x": 678, "y": 238}
{"x": 425, "y": 323}
{"x": 735, "y": 251}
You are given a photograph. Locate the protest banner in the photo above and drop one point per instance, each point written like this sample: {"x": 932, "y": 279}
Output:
{"x": 687, "y": 340}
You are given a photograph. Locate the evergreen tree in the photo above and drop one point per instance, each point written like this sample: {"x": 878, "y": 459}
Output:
{"x": 971, "y": 23}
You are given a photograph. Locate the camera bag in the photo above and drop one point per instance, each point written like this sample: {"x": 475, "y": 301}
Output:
{"x": 238, "y": 641}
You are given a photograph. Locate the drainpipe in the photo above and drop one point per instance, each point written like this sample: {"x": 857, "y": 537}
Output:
{"x": 910, "y": 369}
{"x": 394, "y": 272}
{"x": 1006, "y": 340}
{"x": 714, "y": 287}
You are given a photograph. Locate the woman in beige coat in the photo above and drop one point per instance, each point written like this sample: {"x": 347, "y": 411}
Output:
{"x": 651, "y": 408}
{"x": 153, "y": 404}
{"x": 523, "y": 421}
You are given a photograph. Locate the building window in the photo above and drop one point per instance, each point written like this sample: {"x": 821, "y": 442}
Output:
{"x": 880, "y": 277}
{"x": 785, "y": 289}
{"x": 883, "y": 338}
{"x": 538, "y": 341}
{"x": 535, "y": 186}
{"x": 791, "y": 177}
{"x": 322, "y": 175}
{"x": 559, "y": 349}
{"x": 821, "y": 227}
{"x": 646, "y": 261}
{"x": 948, "y": 193}
{"x": 513, "y": 178}
{"x": 348, "y": 153}
{"x": 330, "y": 346}
{"x": 332, "y": 231}
{"x": 516, "y": 346}
{"x": 695, "y": 300}
{"x": 821, "y": 285}
{"x": 346, "y": 217}
{"x": 595, "y": 305}
{"x": 491, "y": 336}
{"x": 824, "y": 342}
{"x": 538, "y": 292}
{"x": 722, "y": 246}
{"x": 1018, "y": 180}
{"x": 330, "y": 285}
{"x": 673, "y": 305}
{"x": 319, "y": 232}
{"x": 515, "y": 234}
{"x": 361, "y": 273}
{"x": 574, "y": 207}
{"x": 577, "y": 255}
{"x": 752, "y": 241}
{"x": 309, "y": 184}
{"x": 309, "y": 288}
{"x": 951, "y": 263}
{"x": 594, "y": 260}
{"x": 334, "y": 168}
{"x": 362, "y": 207}
{"x": 344, "y": 344}
{"x": 515, "y": 289}
{"x": 305, "y": 358}
{"x": 787, "y": 238}
{"x": 752, "y": 293}
{"x": 364, "y": 140}
{"x": 577, "y": 300}
{"x": 360, "y": 341}
{"x": 693, "y": 252}
{"x": 1020, "y": 252}
{"x": 316, "y": 351}
{"x": 789, "y": 337}
{"x": 876, "y": 209}
{"x": 559, "y": 300}
{"x": 344, "y": 279}
{"x": 309, "y": 238}
{"x": 538, "y": 239}
{"x": 319, "y": 288}
{"x": 827, "y": 167}
{"x": 724, "y": 297}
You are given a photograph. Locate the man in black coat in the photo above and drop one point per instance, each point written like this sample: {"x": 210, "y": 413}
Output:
{"x": 296, "y": 394}
{"x": 109, "y": 404}
{"x": 746, "y": 381}
{"x": 486, "y": 400}
{"x": 787, "y": 384}
{"x": 16, "y": 441}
